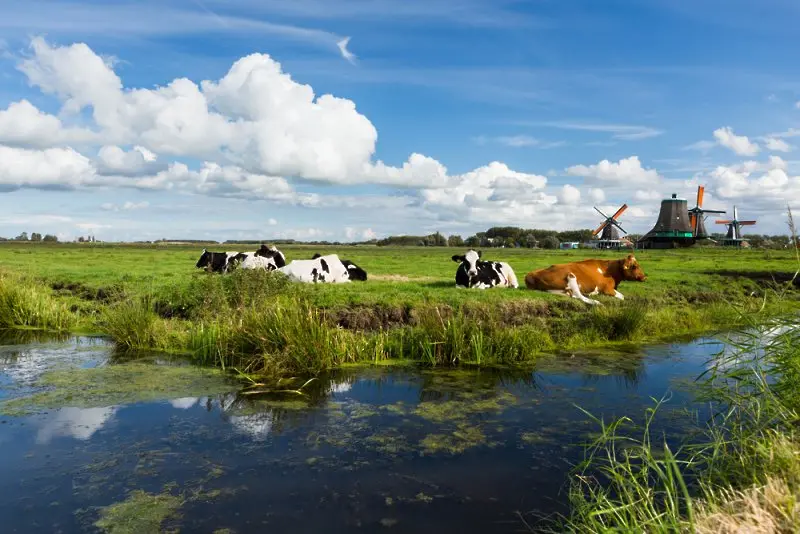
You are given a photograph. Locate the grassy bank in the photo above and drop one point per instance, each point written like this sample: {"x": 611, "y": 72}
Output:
{"x": 151, "y": 297}
{"x": 740, "y": 474}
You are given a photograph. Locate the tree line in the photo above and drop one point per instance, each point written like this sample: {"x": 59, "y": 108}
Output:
{"x": 497, "y": 236}
{"x": 34, "y": 237}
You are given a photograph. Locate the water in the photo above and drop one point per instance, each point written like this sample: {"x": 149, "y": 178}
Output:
{"x": 373, "y": 449}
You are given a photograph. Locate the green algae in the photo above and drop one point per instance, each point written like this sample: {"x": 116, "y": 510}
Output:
{"x": 140, "y": 512}
{"x": 119, "y": 384}
{"x": 463, "y": 438}
{"x": 461, "y": 408}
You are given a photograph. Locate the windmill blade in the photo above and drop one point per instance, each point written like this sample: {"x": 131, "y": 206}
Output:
{"x": 600, "y": 212}
{"x": 693, "y": 221}
{"x": 619, "y": 211}
{"x": 712, "y": 211}
{"x": 600, "y": 228}
{"x": 700, "y": 193}
{"x": 723, "y": 222}
{"x": 747, "y": 223}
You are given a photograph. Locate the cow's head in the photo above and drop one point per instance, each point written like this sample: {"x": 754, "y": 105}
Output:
{"x": 204, "y": 260}
{"x": 470, "y": 261}
{"x": 354, "y": 272}
{"x": 272, "y": 252}
{"x": 631, "y": 270}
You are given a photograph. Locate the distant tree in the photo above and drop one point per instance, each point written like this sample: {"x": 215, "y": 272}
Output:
{"x": 473, "y": 241}
{"x": 81, "y": 239}
{"x": 22, "y": 237}
{"x": 50, "y": 238}
{"x": 530, "y": 241}
{"x": 550, "y": 242}
{"x": 35, "y": 236}
{"x": 455, "y": 241}
{"x": 510, "y": 242}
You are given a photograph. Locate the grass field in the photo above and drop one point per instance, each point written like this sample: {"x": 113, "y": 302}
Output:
{"x": 152, "y": 296}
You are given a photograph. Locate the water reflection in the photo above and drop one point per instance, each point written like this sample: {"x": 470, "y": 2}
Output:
{"x": 423, "y": 449}
{"x": 77, "y": 423}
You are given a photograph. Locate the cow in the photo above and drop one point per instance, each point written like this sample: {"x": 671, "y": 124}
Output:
{"x": 476, "y": 273}
{"x": 219, "y": 262}
{"x": 267, "y": 258}
{"x": 588, "y": 276}
{"x": 324, "y": 269}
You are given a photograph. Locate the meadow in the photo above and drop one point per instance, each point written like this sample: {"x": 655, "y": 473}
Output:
{"x": 153, "y": 297}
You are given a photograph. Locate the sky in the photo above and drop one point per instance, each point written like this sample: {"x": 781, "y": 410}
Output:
{"x": 356, "y": 119}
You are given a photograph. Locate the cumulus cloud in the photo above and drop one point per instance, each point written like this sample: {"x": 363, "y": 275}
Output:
{"x": 627, "y": 171}
{"x": 569, "y": 195}
{"x": 777, "y": 145}
{"x": 597, "y": 195}
{"x": 254, "y": 131}
{"x": 740, "y": 144}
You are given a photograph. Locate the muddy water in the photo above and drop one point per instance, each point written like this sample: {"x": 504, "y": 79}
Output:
{"x": 91, "y": 441}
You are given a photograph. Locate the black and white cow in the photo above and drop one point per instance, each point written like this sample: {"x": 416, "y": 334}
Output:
{"x": 474, "y": 272}
{"x": 324, "y": 269}
{"x": 219, "y": 262}
{"x": 267, "y": 258}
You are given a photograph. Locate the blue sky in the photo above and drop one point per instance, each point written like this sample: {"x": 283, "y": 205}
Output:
{"x": 452, "y": 115}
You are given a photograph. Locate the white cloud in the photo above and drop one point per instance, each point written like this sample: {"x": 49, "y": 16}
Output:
{"x": 22, "y": 124}
{"x": 701, "y": 146}
{"x": 623, "y": 132}
{"x": 777, "y": 145}
{"x": 626, "y": 172}
{"x": 272, "y": 222}
{"x": 518, "y": 141}
{"x": 256, "y": 123}
{"x": 797, "y": 104}
{"x": 116, "y": 161}
{"x": 346, "y": 54}
{"x": 740, "y": 144}
{"x": 597, "y": 195}
{"x": 569, "y": 195}
{"x": 127, "y": 206}
{"x": 52, "y": 167}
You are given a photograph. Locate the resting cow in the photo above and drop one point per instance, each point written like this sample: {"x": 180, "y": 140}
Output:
{"x": 324, "y": 269}
{"x": 218, "y": 262}
{"x": 588, "y": 276}
{"x": 474, "y": 272}
{"x": 267, "y": 258}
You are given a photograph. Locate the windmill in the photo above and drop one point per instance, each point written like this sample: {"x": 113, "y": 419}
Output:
{"x": 734, "y": 236}
{"x": 609, "y": 228}
{"x": 697, "y": 216}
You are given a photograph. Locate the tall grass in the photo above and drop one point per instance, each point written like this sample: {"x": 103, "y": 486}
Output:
{"x": 23, "y": 303}
{"x": 749, "y": 451}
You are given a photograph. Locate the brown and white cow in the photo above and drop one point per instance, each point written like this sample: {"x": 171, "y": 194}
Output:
{"x": 591, "y": 277}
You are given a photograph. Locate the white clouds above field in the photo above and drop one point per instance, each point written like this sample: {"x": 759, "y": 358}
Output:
{"x": 306, "y": 159}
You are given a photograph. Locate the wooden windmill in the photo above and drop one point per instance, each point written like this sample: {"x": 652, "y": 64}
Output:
{"x": 610, "y": 228}
{"x": 697, "y": 216}
{"x": 734, "y": 236}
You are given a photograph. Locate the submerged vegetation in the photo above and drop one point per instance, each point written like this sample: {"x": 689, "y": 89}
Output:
{"x": 260, "y": 323}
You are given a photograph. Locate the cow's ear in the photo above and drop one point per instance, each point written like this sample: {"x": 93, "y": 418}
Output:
{"x": 480, "y": 253}
{"x": 204, "y": 251}
{"x": 315, "y": 256}
{"x": 458, "y": 258}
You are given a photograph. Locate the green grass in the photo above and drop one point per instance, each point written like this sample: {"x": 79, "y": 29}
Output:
{"x": 152, "y": 297}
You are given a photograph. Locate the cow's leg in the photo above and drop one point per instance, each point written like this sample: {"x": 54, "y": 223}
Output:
{"x": 619, "y": 295}
{"x": 575, "y": 291}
